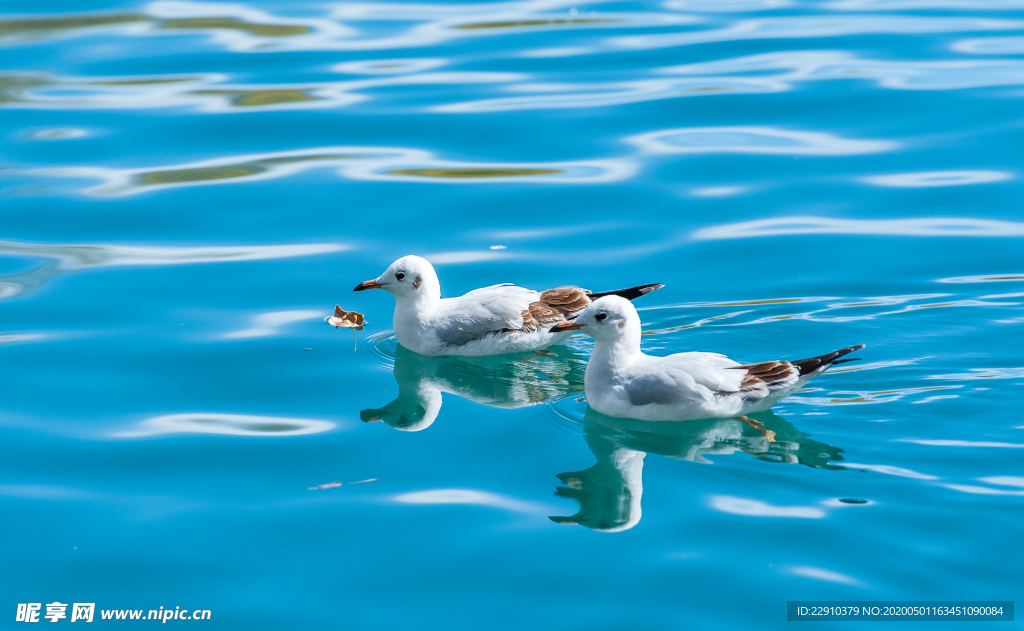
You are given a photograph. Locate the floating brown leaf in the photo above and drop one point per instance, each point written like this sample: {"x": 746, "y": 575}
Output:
{"x": 349, "y": 319}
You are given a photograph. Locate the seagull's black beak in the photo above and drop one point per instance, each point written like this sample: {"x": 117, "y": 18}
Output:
{"x": 568, "y": 325}
{"x": 368, "y": 284}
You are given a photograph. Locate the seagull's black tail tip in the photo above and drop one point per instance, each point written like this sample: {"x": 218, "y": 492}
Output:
{"x": 629, "y": 294}
{"x": 807, "y": 366}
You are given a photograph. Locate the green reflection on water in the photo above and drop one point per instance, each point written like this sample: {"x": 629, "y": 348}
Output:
{"x": 527, "y": 23}
{"x": 263, "y": 30}
{"x": 8, "y": 27}
{"x": 272, "y": 427}
{"x": 146, "y": 81}
{"x": 32, "y": 25}
{"x": 199, "y": 175}
{"x": 710, "y": 88}
{"x": 13, "y": 86}
{"x": 473, "y": 173}
{"x": 226, "y": 172}
{"x": 257, "y": 98}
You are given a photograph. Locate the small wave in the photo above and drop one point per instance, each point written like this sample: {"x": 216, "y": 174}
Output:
{"x": 900, "y": 5}
{"x": 931, "y": 179}
{"x": 360, "y": 163}
{"x": 56, "y": 133}
{"x": 847, "y": 397}
{"x": 754, "y": 140}
{"x": 18, "y": 338}
{"x": 984, "y": 373}
{"x": 726, "y": 6}
{"x": 268, "y": 324}
{"x": 226, "y": 424}
{"x": 890, "y": 470}
{"x": 758, "y": 508}
{"x": 989, "y": 278}
{"x": 64, "y": 258}
{"x": 467, "y": 497}
{"x": 990, "y": 46}
{"x": 962, "y": 443}
{"x": 926, "y": 227}
{"x": 384, "y": 348}
{"x": 805, "y": 27}
{"x": 571, "y": 406}
{"x": 829, "y": 576}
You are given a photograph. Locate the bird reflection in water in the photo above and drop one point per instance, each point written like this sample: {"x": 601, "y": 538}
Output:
{"x": 609, "y": 492}
{"x": 508, "y": 381}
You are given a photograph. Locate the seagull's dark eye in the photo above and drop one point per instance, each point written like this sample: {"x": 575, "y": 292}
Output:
{"x": 600, "y": 316}
{"x": 400, "y": 275}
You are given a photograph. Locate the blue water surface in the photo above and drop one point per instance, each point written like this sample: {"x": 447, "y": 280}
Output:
{"x": 188, "y": 188}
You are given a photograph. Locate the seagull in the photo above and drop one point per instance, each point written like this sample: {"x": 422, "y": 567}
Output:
{"x": 488, "y": 321}
{"x": 624, "y": 382}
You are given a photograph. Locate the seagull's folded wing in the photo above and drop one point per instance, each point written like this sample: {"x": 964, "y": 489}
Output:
{"x": 683, "y": 378}
{"x": 481, "y": 312}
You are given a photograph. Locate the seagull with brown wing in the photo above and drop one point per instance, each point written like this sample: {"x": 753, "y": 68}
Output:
{"x": 488, "y": 321}
{"x": 624, "y": 382}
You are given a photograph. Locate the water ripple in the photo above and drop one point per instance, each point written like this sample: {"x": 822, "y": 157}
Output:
{"x": 764, "y": 73}
{"x": 802, "y": 66}
{"x": 612, "y": 93}
{"x": 234, "y": 26}
{"x": 267, "y": 324}
{"x": 211, "y": 92}
{"x": 17, "y": 338}
{"x": 347, "y": 27}
{"x": 987, "y": 278}
{"x": 922, "y": 227}
{"x": 468, "y": 497}
{"x": 990, "y": 46}
{"x": 851, "y": 397}
{"x": 806, "y": 27}
{"x": 64, "y": 258}
{"x": 726, "y": 6}
{"x": 56, "y": 133}
{"x": 930, "y": 179}
{"x": 899, "y": 5}
{"x": 984, "y": 373}
{"x": 758, "y": 508}
{"x": 961, "y": 443}
{"x": 822, "y": 574}
{"x": 439, "y": 23}
{"x": 754, "y": 140}
{"x": 226, "y": 424}
{"x": 891, "y": 470}
{"x": 998, "y": 480}
{"x": 359, "y": 163}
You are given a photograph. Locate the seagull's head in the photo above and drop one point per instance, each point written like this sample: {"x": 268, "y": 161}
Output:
{"x": 408, "y": 277}
{"x": 407, "y": 413}
{"x": 606, "y": 319}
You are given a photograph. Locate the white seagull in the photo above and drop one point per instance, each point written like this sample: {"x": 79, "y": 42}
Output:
{"x": 622, "y": 381}
{"x": 488, "y": 321}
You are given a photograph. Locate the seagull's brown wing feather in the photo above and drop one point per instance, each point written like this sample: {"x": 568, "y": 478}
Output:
{"x": 768, "y": 375}
{"x": 554, "y": 306}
